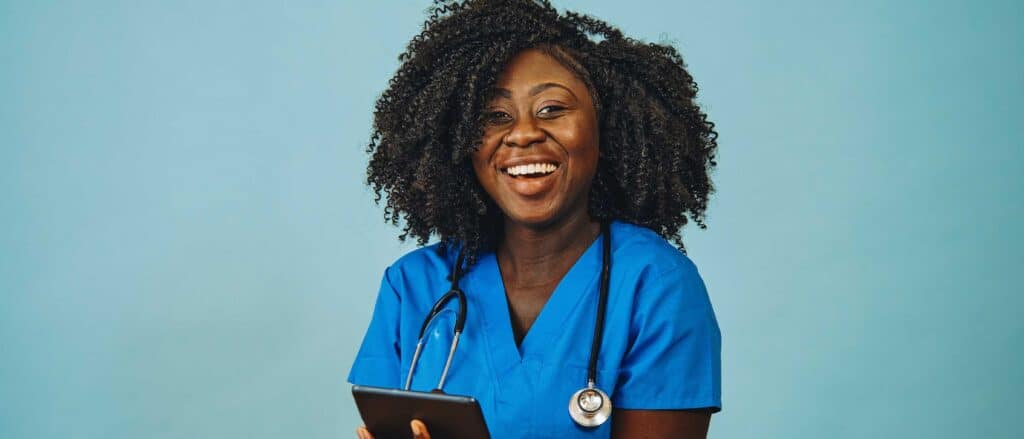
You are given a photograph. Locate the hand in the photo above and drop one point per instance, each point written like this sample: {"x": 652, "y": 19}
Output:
{"x": 419, "y": 431}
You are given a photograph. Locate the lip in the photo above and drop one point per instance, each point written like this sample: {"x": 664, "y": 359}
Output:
{"x": 531, "y": 186}
{"x": 525, "y": 160}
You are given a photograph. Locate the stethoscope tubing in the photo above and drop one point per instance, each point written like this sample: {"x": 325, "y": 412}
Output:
{"x": 602, "y": 303}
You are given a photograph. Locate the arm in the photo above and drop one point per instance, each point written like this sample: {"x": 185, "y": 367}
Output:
{"x": 653, "y": 424}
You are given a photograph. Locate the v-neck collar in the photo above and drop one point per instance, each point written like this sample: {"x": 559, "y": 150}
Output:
{"x": 571, "y": 289}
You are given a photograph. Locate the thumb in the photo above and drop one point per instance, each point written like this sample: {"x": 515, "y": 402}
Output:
{"x": 419, "y": 429}
{"x": 363, "y": 433}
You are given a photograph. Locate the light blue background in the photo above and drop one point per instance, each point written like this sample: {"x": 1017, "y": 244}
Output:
{"x": 187, "y": 249}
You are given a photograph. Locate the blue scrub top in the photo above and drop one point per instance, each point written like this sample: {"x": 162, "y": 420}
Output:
{"x": 661, "y": 347}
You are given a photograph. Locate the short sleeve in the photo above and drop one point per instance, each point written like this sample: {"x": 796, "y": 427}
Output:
{"x": 377, "y": 363}
{"x": 674, "y": 360}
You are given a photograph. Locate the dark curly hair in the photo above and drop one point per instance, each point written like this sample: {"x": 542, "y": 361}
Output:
{"x": 657, "y": 147}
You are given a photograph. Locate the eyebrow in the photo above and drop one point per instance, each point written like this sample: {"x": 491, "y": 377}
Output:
{"x": 504, "y": 92}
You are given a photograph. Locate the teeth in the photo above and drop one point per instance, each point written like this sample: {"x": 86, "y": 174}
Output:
{"x": 532, "y": 168}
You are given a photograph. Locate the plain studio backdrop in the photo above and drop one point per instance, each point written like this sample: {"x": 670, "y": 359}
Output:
{"x": 188, "y": 249}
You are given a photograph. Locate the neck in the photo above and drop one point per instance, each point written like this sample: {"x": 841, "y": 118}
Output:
{"x": 536, "y": 256}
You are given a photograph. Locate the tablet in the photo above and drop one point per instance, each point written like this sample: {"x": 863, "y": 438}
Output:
{"x": 387, "y": 413}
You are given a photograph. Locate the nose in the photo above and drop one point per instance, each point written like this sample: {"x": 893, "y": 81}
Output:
{"x": 524, "y": 132}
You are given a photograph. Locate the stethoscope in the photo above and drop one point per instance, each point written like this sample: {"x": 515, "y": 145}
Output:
{"x": 589, "y": 406}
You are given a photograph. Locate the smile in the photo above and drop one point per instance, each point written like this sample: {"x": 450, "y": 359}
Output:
{"x": 530, "y": 170}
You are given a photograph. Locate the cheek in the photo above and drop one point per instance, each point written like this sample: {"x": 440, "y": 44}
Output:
{"x": 590, "y": 145}
{"x": 582, "y": 146}
{"x": 489, "y": 143}
{"x": 588, "y": 161}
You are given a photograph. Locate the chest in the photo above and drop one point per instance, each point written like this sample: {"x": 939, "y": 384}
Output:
{"x": 523, "y": 390}
{"x": 524, "y": 306}
{"x": 528, "y": 290}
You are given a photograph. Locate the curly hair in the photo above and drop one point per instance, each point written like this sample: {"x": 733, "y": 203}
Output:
{"x": 657, "y": 147}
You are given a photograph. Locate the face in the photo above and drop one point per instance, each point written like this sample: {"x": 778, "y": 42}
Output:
{"x": 540, "y": 145}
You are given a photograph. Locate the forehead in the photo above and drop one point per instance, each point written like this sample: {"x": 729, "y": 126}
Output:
{"x": 534, "y": 66}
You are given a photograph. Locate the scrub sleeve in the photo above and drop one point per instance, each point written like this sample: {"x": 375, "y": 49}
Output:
{"x": 675, "y": 359}
{"x": 377, "y": 362}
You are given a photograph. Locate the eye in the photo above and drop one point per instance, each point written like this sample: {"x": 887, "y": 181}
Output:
{"x": 551, "y": 110}
{"x": 497, "y": 117}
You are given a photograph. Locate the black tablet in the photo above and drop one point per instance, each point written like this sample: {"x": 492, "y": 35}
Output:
{"x": 387, "y": 413}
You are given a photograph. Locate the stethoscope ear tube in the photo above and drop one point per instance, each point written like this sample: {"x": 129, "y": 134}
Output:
{"x": 460, "y": 320}
{"x": 460, "y": 323}
{"x": 434, "y": 311}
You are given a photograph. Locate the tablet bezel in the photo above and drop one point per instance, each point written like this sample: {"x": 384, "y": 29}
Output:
{"x": 387, "y": 413}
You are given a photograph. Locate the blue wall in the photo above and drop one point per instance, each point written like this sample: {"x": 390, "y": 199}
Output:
{"x": 187, "y": 248}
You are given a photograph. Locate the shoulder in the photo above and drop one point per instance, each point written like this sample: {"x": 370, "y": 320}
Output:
{"x": 424, "y": 260}
{"x": 659, "y": 277}
{"x": 423, "y": 269}
{"x": 646, "y": 253}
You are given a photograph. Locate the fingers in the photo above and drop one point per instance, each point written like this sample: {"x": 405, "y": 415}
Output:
{"x": 363, "y": 433}
{"x": 419, "y": 429}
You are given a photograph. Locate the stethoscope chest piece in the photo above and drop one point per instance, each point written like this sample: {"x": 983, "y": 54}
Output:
{"x": 590, "y": 407}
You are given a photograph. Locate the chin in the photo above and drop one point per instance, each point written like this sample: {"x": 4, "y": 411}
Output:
{"x": 534, "y": 218}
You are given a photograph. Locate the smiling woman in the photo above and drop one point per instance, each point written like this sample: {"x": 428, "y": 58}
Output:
{"x": 554, "y": 158}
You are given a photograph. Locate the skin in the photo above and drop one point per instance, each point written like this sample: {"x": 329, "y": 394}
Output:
{"x": 540, "y": 112}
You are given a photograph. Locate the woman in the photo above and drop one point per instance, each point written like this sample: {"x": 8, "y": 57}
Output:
{"x": 514, "y": 133}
